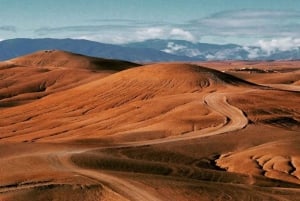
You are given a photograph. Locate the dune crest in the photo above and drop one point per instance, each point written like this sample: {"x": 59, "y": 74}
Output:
{"x": 58, "y": 58}
{"x": 37, "y": 75}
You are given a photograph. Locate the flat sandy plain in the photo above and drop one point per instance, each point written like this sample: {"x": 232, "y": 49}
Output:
{"x": 87, "y": 129}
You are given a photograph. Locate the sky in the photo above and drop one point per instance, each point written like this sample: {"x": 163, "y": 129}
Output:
{"x": 266, "y": 23}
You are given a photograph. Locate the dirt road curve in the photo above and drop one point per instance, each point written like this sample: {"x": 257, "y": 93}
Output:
{"x": 216, "y": 101}
{"x": 122, "y": 187}
{"x": 236, "y": 120}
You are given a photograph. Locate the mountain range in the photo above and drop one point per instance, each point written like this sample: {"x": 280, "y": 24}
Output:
{"x": 145, "y": 51}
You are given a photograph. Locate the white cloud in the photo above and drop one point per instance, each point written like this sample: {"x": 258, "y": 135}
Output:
{"x": 124, "y": 36}
{"x": 150, "y": 33}
{"x": 225, "y": 54}
{"x": 192, "y": 52}
{"x": 130, "y": 34}
{"x": 281, "y": 44}
{"x": 177, "y": 33}
{"x": 162, "y": 33}
{"x": 137, "y": 34}
{"x": 253, "y": 52}
{"x": 173, "y": 48}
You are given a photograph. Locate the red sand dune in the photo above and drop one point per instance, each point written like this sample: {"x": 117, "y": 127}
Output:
{"x": 39, "y": 74}
{"x": 166, "y": 131}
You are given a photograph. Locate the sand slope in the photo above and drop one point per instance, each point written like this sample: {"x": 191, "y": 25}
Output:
{"x": 167, "y": 131}
{"x": 42, "y": 73}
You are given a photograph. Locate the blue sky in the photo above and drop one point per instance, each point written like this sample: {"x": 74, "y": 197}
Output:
{"x": 246, "y": 22}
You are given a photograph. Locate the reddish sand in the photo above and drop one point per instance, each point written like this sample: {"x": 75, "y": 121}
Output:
{"x": 80, "y": 128}
{"x": 37, "y": 75}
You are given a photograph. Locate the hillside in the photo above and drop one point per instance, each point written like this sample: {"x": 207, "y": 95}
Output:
{"x": 39, "y": 74}
{"x": 99, "y": 129}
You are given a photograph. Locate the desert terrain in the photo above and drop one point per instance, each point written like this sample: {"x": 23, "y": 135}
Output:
{"x": 86, "y": 129}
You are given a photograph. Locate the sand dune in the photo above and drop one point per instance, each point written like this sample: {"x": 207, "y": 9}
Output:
{"x": 133, "y": 92}
{"x": 58, "y": 58}
{"x": 42, "y": 73}
{"x": 93, "y": 129}
{"x": 278, "y": 160}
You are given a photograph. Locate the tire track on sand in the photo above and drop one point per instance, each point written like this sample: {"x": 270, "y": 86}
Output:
{"x": 118, "y": 185}
{"x": 217, "y": 102}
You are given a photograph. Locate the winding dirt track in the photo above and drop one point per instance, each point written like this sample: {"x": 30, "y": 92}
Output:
{"x": 216, "y": 101}
{"x": 120, "y": 186}
{"x": 236, "y": 120}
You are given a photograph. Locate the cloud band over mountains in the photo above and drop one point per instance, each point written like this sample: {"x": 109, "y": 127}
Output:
{"x": 269, "y": 29}
{"x": 221, "y": 27}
